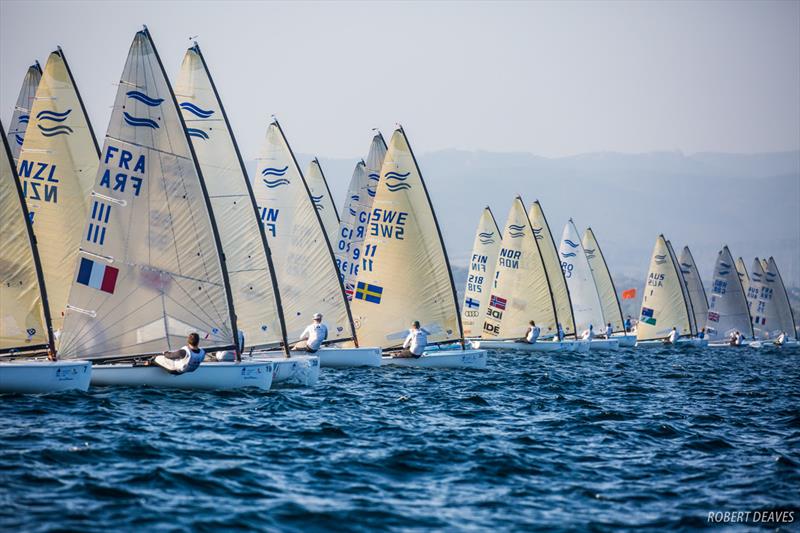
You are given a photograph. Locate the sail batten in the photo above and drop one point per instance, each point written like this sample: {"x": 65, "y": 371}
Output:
{"x": 612, "y": 311}
{"x": 481, "y": 273}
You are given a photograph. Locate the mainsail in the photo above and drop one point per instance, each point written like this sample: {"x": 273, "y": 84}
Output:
{"x": 404, "y": 273}
{"x": 585, "y": 300}
{"x": 781, "y": 300}
{"x": 22, "y": 111}
{"x": 480, "y": 277}
{"x": 744, "y": 277}
{"x": 323, "y": 200}
{"x": 727, "y": 309}
{"x": 612, "y": 312}
{"x": 685, "y": 290}
{"x": 521, "y": 291}
{"x": 762, "y": 303}
{"x": 694, "y": 286}
{"x": 302, "y": 255}
{"x": 57, "y": 167}
{"x": 247, "y": 256}
{"x": 552, "y": 266}
{"x": 152, "y": 270}
{"x": 355, "y": 213}
{"x": 24, "y": 316}
{"x": 663, "y": 304}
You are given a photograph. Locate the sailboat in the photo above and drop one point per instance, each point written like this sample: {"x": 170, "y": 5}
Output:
{"x": 323, "y": 199}
{"x": 480, "y": 276}
{"x": 694, "y": 286}
{"x": 306, "y": 270}
{"x": 768, "y": 302}
{"x": 405, "y": 273}
{"x": 665, "y": 303}
{"x": 609, "y": 300}
{"x": 586, "y": 306}
{"x": 355, "y": 213}
{"x": 254, "y": 287}
{"x": 57, "y": 165}
{"x": 728, "y": 309}
{"x": 22, "y": 111}
{"x": 522, "y": 293}
{"x": 157, "y": 272}
{"x": 25, "y": 328}
{"x": 780, "y": 299}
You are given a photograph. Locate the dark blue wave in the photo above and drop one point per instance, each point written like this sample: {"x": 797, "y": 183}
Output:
{"x": 23, "y": 119}
{"x": 371, "y": 192}
{"x": 517, "y": 227}
{"x": 722, "y": 263}
{"x": 374, "y": 177}
{"x": 568, "y": 254}
{"x": 353, "y": 212}
{"x": 136, "y": 121}
{"x": 517, "y": 234}
{"x": 274, "y": 171}
{"x": 55, "y": 130}
{"x": 19, "y": 139}
{"x": 53, "y": 115}
{"x": 398, "y": 187}
{"x": 396, "y": 175}
{"x": 487, "y": 241}
{"x": 276, "y": 183}
{"x": 570, "y": 243}
{"x": 316, "y": 199}
{"x": 724, "y": 272}
{"x": 486, "y": 234}
{"x": 143, "y": 98}
{"x": 195, "y": 110}
{"x": 197, "y": 132}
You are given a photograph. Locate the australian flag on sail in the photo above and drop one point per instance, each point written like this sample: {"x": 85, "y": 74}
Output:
{"x": 97, "y": 275}
{"x": 369, "y": 293}
{"x": 647, "y": 316}
{"x": 472, "y": 303}
{"x": 497, "y": 302}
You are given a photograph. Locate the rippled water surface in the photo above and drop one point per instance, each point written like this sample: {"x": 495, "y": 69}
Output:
{"x": 654, "y": 438}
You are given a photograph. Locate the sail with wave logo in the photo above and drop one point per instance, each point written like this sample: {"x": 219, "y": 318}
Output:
{"x": 744, "y": 277}
{"x": 780, "y": 298}
{"x": 612, "y": 312}
{"x": 762, "y": 302}
{"x": 552, "y": 266}
{"x": 57, "y": 168}
{"x": 304, "y": 264}
{"x": 404, "y": 273}
{"x": 323, "y": 200}
{"x": 247, "y": 255}
{"x": 480, "y": 275}
{"x": 521, "y": 291}
{"x": 727, "y": 308}
{"x": 585, "y": 300}
{"x": 694, "y": 286}
{"x": 156, "y": 273}
{"x": 22, "y": 111}
{"x": 24, "y": 316}
{"x": 685, "y": 290}
{"x": 355, "y": 213}
{"x": 663, "y": 303}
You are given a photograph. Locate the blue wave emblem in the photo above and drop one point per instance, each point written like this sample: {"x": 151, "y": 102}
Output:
{"x": 274, "y": 171}
{"x": 18, "y": 138}
{"x": 374, "y": 177}
{"x": 23, "y": 119}
{"x": 685, "y": 272}
{"x": 397, "y": 187}
{"x": 686, "y": 265}
{"x": 517, "y": 234}
{"x": 197, "y": 132}
{"x": 130, "y": 120}
{"x": 371, "y": 192}
{"x": 52, "y": 115}
{"x": 537, "y": 233}
{"x": 517, "y": 227}
{"x": 726, "y": 265}
{"x": 661, "y": 259}
{"x": 486, "y": 234}
{"x": 276, "y": 183}
{"x": 397, "y": 176}
{"x": 568, "y": 254}
{"x": 571, "y": 244}
{"x": 724, "y": 272}
{"x": 487, "y": 241}
{"x": 353, "y": 211}
{"x": 589, "y": 253}
{"x": 55, "y": 130}
{"x": 196, "y": 111}
{"x": 355, "y": 197}
{"x": 143, "y": 98}
{"x": 317, "y": 202}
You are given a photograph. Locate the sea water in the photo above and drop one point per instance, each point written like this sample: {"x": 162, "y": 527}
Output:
{"x": 655, "y": 438}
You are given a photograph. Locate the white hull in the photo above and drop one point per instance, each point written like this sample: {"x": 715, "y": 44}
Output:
{"x": 541, "y": 346}
{"x": 441, "y": 359}
{"x": 300, "y": 370}
{"x": 696, "y": 343}
{"x": 31, "y": 377}
{"x": 604, "y": 345}
{"x": 333, "y": 357}
{"x": 626, "y": 341}
{"x": 208, "y": 376}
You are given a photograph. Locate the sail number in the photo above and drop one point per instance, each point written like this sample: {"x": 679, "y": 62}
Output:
{"x": 388, "y": 223}
{"x": 566, "y": 268}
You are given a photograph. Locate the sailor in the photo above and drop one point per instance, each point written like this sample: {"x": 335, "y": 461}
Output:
{"x": 781, "y": 340}
{"x": 532, "y": 333}
{"x": 609, "y": 331}
{"x": 734, "y": 336}
{"x": 628, "y": 324}
{"x": 560, "y": 332}
{"x": 701, "y": 334}
{"x": 673, "y": 336}
{"x": 313, "y": 336}
{"x": 589, "y": 333}
{"x": 187, "y": 359}
{"x": 739, "y": 339}
{"x": 415, "y": 342}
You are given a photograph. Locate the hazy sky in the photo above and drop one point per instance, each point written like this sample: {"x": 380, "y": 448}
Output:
{"x": 548, "y": 78}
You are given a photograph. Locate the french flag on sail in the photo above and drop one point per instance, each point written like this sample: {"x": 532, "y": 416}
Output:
{"x": 97, "y": 275}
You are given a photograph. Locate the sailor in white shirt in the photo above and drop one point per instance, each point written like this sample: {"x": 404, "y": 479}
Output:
{"x": 781, "y": 340}
{"x": 609, "y": 331}
{"x": 313, "y": 336}
{"x": 415, "y": 342}
{"x": 589, "y": 333}
{"x": 673, "y": 336}
{"x": 187, "y": 359}
{"x": 532, "y": 333}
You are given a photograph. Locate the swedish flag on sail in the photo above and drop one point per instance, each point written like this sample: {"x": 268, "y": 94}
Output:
{"x": 369, "y": 293}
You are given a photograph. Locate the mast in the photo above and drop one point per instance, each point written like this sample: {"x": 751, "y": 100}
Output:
{"x": 249, "y": 187}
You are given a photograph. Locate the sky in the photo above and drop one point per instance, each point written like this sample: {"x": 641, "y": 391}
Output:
{"x": 553, "y": 79}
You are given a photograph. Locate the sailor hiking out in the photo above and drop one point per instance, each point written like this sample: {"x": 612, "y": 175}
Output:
{"x": 313, "y": 336}
{"x": 673, "y": 336}
{"x": 187, "y": 359}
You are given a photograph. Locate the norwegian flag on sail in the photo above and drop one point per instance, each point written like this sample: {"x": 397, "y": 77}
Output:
{"x": 497, "y": 302}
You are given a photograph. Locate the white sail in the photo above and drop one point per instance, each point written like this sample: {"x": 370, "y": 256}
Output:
{"x": 663, "y": 304}
{"x": 744, "y": 277}
{"x": 762, "y": 302}
{"x": 404, "y": 273}
{"x": 253, "y": 284}
{"x": 612, "y": 312}
{"x": 22, "y": 111}
{"x": 685, "y": 290}
{"x": 727, "y": 308}
{"x": 694, "y": 286}
{"x": 552, "y": 267}
{"x": 780, "y": 298}
{"x": 155, "y": 273}
{"x": 57, "y": 167}
{"x": 585, "y": 300}
{"x": 521, "y": 292}
{"x": 355, "y": 213}
{"x": 304, "y": 265}
{"x": 23, "y": 318}
{"x": 323, "y": 200}
{"x": 480, "y": 276}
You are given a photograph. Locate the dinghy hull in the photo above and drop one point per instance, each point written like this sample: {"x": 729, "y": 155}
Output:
{"x": 301, "y": 370}
{"x": 332, "y": 357}
{"x": 695, "y": 343}
{"x": 543, "y": 346}
{"x": 604, "y": 345}
{"x": 33, "y": 377}
{"x": 441, "y": 359}
{"x": 626, "y": 341}
{"x": 208, "y": 376}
